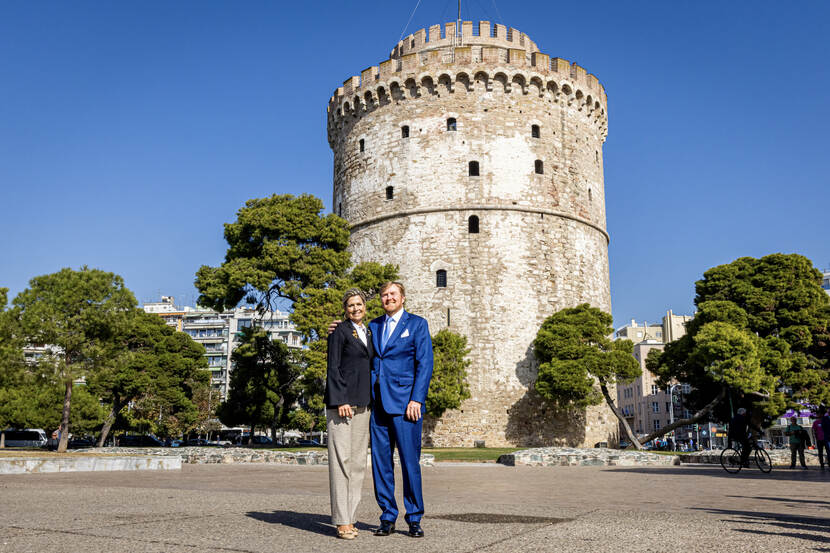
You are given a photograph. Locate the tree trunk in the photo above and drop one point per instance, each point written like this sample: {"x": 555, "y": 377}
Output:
{"x": 700, "y": 415}
{"x": 105, "y": 430}
{"x": 631, "y": 437}
{"x": 2, "y": 440}
{"x": 67, "y": 402}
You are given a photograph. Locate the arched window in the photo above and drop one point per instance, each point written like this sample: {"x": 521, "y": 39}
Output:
{"x": 451, "y": 124}
{"x": 441, "y": 278}
{"x": 590, "y": 196}
{"x": 340, "y": 209}
{"x": 540, "y": 167}
{"x": 362, "y": 145}
{"x": 534, "y": 131}
{"x": 473, "y": 170}
{"x": 472, "y": 224}
{"x": 405, "y": 131}
{"x": 390, "y": 192}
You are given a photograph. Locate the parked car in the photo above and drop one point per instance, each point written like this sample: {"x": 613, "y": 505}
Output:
{"x": 308, "y": 443}
{"x": 197, "y": 442}
{"x": 170, "y": 442}
{"x": 29, "y": 437}
{"x": 145, "y": 440}
{"x": 80, "y": 443}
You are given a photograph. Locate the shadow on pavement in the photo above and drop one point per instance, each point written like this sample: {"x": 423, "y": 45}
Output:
{"x": 495, "y": 518}
{"x": 806, "y": 528}
{"x": 780, "y": 474}
{"x": 310, "y": 522}
{"x": 783, "y": 499}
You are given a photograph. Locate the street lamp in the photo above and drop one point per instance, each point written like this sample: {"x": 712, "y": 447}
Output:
{"x": 671, "y": 402}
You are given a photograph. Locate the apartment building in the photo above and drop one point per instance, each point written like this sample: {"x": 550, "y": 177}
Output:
{"x": 219, "y": 332}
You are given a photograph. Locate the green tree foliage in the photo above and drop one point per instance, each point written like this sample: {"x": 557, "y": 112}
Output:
{"x": 448, "y": 387}
{"x": 79, "y": 314}
{"x": 277, "y": 247}
{"x": 263, "y": 388}
{"x": 578, "y": 362}
{"x": 156, "y": 369}
{"x": 760, "y": 336}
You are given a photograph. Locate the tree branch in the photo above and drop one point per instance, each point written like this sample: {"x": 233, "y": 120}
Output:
{"x": 631, "y": 437}
{"x": 700, "y": 415}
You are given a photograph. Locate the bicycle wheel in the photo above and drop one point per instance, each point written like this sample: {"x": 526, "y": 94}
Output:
{"x": 763, "y": 460}
{"x": 730, "y": 460}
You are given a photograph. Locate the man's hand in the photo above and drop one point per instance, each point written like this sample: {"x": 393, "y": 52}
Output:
{"x": 333, "y": 325}
{"x": 345, "y": 411}
{"x": 413, "y": 411}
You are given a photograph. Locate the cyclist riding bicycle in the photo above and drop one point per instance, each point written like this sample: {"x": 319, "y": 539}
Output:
{"x": 739, "y": 428}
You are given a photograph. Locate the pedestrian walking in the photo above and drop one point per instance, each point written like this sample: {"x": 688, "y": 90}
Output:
{"x": 796, "y": 433}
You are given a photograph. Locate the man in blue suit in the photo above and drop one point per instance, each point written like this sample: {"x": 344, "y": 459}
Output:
{"x": 401, "y": 371}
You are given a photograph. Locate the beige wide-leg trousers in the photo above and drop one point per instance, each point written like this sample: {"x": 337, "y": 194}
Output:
{"x": 348, "y": 443}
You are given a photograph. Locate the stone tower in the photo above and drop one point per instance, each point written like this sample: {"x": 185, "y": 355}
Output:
{"x": 474, "y": 162}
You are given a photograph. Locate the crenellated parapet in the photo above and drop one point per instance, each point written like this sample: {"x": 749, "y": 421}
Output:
{"x": 508, "y": 62}
{"x": 481, "y": 33}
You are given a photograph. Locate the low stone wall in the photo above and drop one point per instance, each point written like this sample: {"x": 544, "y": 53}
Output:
{"x": 566, "y": 456}
{"x": 779, "y": 457}
{"x": 235, "y": 455}
{"x": 36, "y": 465}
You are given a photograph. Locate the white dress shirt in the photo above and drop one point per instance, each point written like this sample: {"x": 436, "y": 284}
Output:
{"x": 391, "y": 322}
{"x": 361, "y": 332}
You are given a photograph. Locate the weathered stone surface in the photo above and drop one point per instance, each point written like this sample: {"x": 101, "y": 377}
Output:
{"x": 566, "y": 456}
{"x": 541, "y": 244}
{"x": 32, "y": 465}
{"x": 779, "y": 457}
{"x": 233, "y": 455}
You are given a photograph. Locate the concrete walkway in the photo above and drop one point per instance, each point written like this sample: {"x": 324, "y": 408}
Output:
{"x": 493, "y": 508}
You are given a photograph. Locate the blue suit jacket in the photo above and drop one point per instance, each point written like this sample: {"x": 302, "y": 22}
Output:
{"x": 403, "y": 369}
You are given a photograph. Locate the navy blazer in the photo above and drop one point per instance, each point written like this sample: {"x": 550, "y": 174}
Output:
{"x": 348, "y": 366}
{"x": 401, "y": 372}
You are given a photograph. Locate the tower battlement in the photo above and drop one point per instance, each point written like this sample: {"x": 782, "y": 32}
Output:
{"x": 480, "y": 33}
{"x": 507, "y": 62}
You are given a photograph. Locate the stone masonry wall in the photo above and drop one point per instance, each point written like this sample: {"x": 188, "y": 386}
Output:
{"x": 541, "y": 245}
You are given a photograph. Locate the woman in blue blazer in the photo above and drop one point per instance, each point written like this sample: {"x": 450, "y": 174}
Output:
{"x": 347, "y": 400}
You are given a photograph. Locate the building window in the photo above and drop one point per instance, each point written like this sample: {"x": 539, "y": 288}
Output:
{"x": 654, "y": 389}
{"x": 451, "y": 124}
{"x": 667, "y": 407}
{"x": 657, "y": 425}
{"x": 441, "y": 278}
{"x": 473, "y": 169}
{"x": 362, "y": 145}
{"x": 340, "y": 209}
{"x": 390, "y": 192}
{"x": 540, "y": 167}
{"x": 472, "y": 224}
{"x": 534, "y": 131}
{"x": 591, "y": 199}
{"x": 655, "y": 407}
{"x": 405, "y": 131}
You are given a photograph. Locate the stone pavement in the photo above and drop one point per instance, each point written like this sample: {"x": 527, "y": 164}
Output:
{"x": 482, "y": 507}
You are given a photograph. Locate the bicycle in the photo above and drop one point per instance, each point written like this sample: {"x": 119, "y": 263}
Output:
{"x": 730, "y": 459}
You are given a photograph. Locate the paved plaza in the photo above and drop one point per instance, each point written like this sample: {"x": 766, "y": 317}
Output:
{"x": 482, "y": 507}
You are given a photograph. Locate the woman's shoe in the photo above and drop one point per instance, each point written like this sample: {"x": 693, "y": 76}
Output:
{"x": 346, "y": 533}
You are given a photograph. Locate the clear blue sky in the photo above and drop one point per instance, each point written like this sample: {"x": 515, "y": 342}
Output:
{"x": 130, "y": 131}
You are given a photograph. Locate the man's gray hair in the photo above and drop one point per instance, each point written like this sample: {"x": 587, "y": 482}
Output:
{"x": 742, "y": 411}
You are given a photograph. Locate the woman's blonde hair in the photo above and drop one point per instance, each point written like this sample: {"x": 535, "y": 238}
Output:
{"x": 350, "y": 293}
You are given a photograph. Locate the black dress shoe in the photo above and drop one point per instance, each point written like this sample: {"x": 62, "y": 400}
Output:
{"x": 385, "y": 528}
{"x": 415, "y": 530}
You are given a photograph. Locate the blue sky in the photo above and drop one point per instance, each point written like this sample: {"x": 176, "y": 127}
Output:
{"x": 131, "y": 131}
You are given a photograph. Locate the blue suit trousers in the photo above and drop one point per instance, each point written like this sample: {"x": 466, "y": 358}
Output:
{"x": 390, "y": 432}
